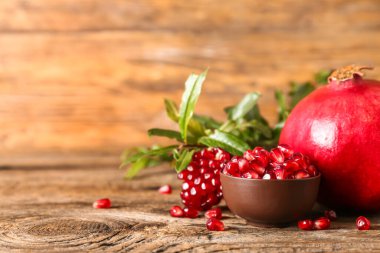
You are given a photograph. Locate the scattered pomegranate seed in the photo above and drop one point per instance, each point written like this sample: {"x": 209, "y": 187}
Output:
{"x": 331, "y": 214}
{"x": 190, "y": 212}
{"x": 362, "y": 223}
{"x": 322, "y": 223}
{"x": 176, "y": 211}
{"x": 306, "y": 224}
{"x": 214, "y": 224}
{"x": 214, "y": 213}
{"x": 165, "y": 189}
{"x": 102, "y": 203}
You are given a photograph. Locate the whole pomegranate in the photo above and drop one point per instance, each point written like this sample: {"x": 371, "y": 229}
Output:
{"x": 338, "y": 127}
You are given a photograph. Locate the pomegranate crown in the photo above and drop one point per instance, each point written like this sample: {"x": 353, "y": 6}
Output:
{"x": 347, "y": 73}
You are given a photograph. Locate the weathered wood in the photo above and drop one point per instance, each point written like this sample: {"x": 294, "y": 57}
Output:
{"x": 87, "y": 78}
{"x": 51, "y": 210}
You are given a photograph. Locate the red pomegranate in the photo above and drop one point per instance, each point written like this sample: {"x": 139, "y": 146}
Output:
{"x": 338, "y": 127}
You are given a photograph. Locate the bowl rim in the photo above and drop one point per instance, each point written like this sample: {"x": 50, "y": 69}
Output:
{"x": 271, "y": 180}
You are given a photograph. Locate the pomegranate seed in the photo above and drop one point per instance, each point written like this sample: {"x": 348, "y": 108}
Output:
{"x": 232, "y": 168}
{"x": 291, "y": 166}
{"x": 222, "y": 155}
{"x": 235, "y": 159}
{"x": 249, "y": 155}
{"x": 306, "y": 224}
{"x": 262, "y": 159}
{"x": 197, "y": 155}
{"x": 280, "y": 173}
{"x": 102, "y": 203}
{"x": 214, "y": 213}
{"x": 207, "y": 154}
{"x": 212, "y": 200}
{"x": 243, "y": 165}
{"x": 165, "y": 189}
{"x": 190, "y": 212}
{"x": 322, "y": 223}
{"x": 251, "y": 175}
{"x": 258, "y": 168}
{"x": 331, "y": 214}
{"x": 182, "y": 175}
{"x": 362, "y": 223}
{"x": 257, "y": 150}
{"x": 286, "y": 150}
{"x": 312, "y": 170}
{"x": 213, "y": 164}
{"x": 300, "y": 159}
{"x": 214, "y": 224}
{"x": 301, "y": 174}
{"x": 176, "y": 211}
{"x": 276, "y": 155}
{"x": 269, "y": 175}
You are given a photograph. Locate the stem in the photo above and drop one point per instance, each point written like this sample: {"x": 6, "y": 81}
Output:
{"x": 347, "y": 73}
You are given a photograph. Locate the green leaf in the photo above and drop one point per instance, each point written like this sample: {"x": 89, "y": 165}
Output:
{"x": 298, "y": 92}
{"x": 282, "y": 107}
{"x": 136, "y": 167}
{"x": 255, "y": 114}
{"x": 322, "y": 76}
{"x": 147, "y": 153}
{"x": 165, "y": 133}
{"x": 184, "y": 159}
{"x": 171, "y": 110}
{"x": 207, "y": 122}
{"x": 262, "y": 128}
{"x": 226, "y": 141}
{"x": 193, "y": 87}
{"x": 244, "y": 106}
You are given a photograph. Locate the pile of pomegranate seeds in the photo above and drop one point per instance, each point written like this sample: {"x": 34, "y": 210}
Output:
{"x": 362, "y": 223}
{"x": 165, "y": 189}
{"x": 280, "y": 163}
{"x": 201, "y": 188}
{"x": 102, "y": 203}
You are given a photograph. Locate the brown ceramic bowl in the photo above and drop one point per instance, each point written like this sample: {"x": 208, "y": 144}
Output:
{"x": 270, "y": 202}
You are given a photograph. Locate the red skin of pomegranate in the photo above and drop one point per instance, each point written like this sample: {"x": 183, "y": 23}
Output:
{"x": 338, "y": 127}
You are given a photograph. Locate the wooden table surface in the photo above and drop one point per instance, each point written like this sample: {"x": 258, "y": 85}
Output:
{"x": 50, "y": 209}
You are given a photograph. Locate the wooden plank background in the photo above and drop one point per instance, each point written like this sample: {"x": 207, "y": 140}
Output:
{"x": 81, "y": 80}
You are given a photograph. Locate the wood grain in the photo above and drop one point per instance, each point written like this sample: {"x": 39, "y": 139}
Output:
{"x": 88, "y": 78}
{"x": 51, "y": 210}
